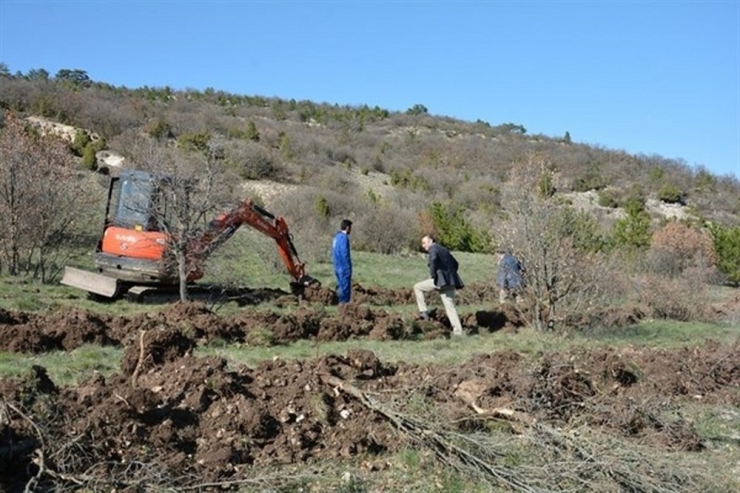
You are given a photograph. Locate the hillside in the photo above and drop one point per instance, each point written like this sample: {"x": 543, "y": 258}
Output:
{"x": 364, "y": 162}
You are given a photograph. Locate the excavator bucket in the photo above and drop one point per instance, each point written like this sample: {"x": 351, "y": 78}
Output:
{"x": 91, "y": 282}
{"x": 298, "y": 287}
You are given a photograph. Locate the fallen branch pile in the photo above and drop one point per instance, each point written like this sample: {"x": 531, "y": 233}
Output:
{"x": 556, "y": 460}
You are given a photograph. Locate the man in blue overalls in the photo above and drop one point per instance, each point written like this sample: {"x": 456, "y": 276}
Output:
{"x": 340, "y": 254}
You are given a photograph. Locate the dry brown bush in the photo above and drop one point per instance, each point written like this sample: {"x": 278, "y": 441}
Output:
{"x": 104, "y": 113}
{"x": 340, "y": 188}
{"x": 252, "y": 161}
{"x": 674, "y": 299}
{"x": 386, "y": 228}
{"x": 479, "y": 193}
{"x": 311, "y": 231}
{"x": 679, "y": 248}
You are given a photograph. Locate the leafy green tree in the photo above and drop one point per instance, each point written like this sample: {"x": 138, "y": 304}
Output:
{"x": 76, "y": 76}
{"x": 194, "y": 142}
{"x": 454, "y": 231}
{"x": 80, "y": 142}
{"x": 417, "y": 109}
{"x": 670, "y": 194}
{"x": 704, "y": 180}
{"x": 591, "y": 179}
{"x": 511, "y": 128}
{"x": 4, "y": 70}
{"x": 608, "y": 198}
{"x": 656, "y": 174}
{"x": 727, "y": 247}
{"x": 632, "y": 231}
{"x": 546, "y": 185}
{"x": 322, "y": 206}
{"x": 89, "y": 158}
{"x": 583, "y": 229}
{"x": 285, "y": 146}
{"x": 252, "y": 133}
{"x": 37, "y": 74}
{"x": 160, "y": 129}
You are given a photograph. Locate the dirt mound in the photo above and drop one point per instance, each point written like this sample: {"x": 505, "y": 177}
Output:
{"x": 187, "y": 417}
{"x": 67, "y": 329}
{"x": 363, "y": 318}
{"x": 171, "y": 419}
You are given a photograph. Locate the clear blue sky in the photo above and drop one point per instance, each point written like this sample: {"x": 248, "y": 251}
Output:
{"x": 654, "y": 77}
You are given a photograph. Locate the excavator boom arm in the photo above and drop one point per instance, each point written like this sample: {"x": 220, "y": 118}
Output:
{"x": 248, "y": 213}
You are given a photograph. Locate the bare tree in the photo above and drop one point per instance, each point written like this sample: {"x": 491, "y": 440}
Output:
{"x": 191, "y": 188}
{"x": 561, "y": 277}
{"x": 41, "y": 201}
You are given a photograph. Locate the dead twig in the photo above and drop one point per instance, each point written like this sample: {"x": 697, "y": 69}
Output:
{"x": 30, "y": 486}
{"x": 135, "y": 373}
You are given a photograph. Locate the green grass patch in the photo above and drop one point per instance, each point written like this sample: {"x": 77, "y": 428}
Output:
{"x": 65, "y": 368}
{"x": 719, "y": 424}
{"x": 668, "y": 334}
{"x": 251, "y": 268}
{"x": 527, "y": 341}
{"x": 251, "y": 259}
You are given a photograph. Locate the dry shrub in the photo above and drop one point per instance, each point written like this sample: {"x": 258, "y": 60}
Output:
{"x": 107, "y": 117}
{"x": 386, "y": 228}
{"x": 483, "y": 193}
{"x": 312, "y": 233}
{"x": 42, "y": 203}
{"x": 253, "y": 161}
{"x": 598, "y": 282}
{"x": 334, "y": 179}
{"x": 312, "y": 153}
{"x": 270, "y": 136}
{"x": 680, "y": 249}
{"x": 675, "y": 299}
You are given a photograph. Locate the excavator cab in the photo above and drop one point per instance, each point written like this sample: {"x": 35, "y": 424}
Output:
{"x": 131, "y": 199}
{"x": 134, "y": 247}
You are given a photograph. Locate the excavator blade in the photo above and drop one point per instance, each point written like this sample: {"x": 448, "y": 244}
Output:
{"x": 91, "y": 282}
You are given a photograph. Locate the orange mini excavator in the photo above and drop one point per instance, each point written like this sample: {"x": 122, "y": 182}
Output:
{"x": 134, "y": 250}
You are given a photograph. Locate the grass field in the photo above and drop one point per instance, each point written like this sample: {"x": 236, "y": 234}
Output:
{"x": 413, "y": 469}
{"x": 370, "y": 270}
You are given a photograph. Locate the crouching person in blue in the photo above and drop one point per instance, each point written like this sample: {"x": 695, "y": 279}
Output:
{"x": 444, "y": 278}
{"x": 342, "y": 259}
{"x": 510, "y": 277}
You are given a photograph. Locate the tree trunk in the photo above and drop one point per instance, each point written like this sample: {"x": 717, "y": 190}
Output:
{"x": 183, "y": 275}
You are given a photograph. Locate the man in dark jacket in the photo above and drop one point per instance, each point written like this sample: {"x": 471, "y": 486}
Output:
{"x": 444, "y": 278}
{"x": 340, "y": 255}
